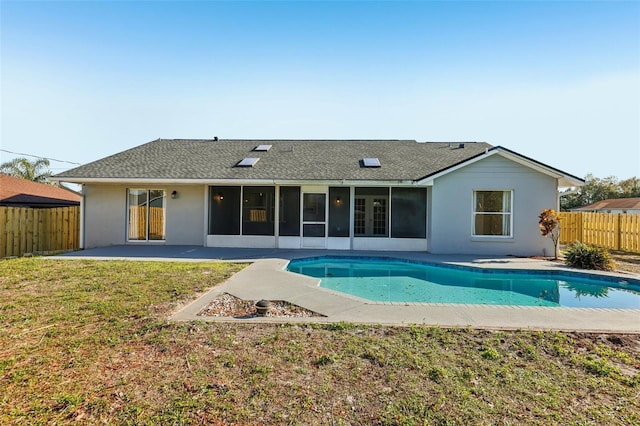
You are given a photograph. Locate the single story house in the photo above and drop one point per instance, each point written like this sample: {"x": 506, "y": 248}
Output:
{"x": 16, "y": 192}
{"x": 612, "y": 205}
{"x": 466, "y": 197}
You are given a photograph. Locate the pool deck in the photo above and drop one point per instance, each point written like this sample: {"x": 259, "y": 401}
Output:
{"x": 266, "y": 278}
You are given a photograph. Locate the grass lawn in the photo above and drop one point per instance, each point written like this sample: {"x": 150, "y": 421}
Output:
{"x": 88, "y": 342}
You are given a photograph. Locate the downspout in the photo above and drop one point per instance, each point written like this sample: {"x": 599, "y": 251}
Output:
{"x": 276, "y": 213}
{"x": 556, "y": 249}
{"x": 82, "y": 217}
{"x": 352, "y": 210}
{"x": 205, "y": 225}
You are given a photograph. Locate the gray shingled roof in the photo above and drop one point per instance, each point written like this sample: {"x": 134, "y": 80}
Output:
{"x": 287, "y": 160}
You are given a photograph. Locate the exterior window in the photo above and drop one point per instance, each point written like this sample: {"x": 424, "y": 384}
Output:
{"x": 146, "y": 209}
{"x": 492, "y": 213}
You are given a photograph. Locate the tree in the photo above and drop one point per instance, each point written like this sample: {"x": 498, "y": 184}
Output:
{"x": 36, "y": 171}
{"x": 596, "y": 189}
{"x": 550, "y": 227}
{"x": 630, "y": 187}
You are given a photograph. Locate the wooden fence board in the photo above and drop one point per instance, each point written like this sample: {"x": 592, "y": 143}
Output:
{"x": 630, "y": 232}
{"x": 39, "y": 239}
{"x": 58, "y": 230}
{"x": 15, "y": 231}
{"x": 50, "y": 235}
{"x": 3, "y": 233}
{"x": 55, "y": 230}
{"x": 29, "y": 233}
{"x": 24, "y": 225}
{"x": 26, "y": 230}
{"x": 72, "y": 230}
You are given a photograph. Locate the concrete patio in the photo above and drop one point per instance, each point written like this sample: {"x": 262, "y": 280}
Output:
{"x": 266, "y": 278}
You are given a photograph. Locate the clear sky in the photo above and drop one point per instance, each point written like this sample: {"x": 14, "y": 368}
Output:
{"x": 556, "y": 81}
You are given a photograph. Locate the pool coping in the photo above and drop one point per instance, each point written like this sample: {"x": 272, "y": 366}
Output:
{"x": 267, "y": 278}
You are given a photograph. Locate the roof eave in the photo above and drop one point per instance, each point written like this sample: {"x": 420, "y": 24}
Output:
{"x": 164, "y": 181}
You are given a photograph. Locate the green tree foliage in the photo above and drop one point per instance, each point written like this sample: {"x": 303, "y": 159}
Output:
{"x": 36, "y": 171}
{"x": 596, "y": 189}
{"x": 630, "y": 187}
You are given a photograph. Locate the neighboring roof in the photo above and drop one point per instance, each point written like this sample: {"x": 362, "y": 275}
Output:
{"x": 22, "y": 192}
{"x": 613, "y": 203}
{"x": 291, "y": 160}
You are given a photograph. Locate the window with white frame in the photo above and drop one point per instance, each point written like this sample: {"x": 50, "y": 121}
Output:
{"x": 492, "y": 213}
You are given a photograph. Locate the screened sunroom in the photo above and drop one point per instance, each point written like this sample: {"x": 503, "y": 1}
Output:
{"x": 337, "y": 217}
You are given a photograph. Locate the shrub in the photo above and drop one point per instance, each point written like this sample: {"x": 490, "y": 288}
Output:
{"x": 550, "y": 227}
{"x": 585, "y": 256}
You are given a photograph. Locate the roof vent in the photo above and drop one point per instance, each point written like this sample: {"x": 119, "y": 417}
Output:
{"x": 262, "y": 148}
{"x": 215, "y": 138}
{"x": 247, "y": 162}
{"x": 461, "y": 146}
{"x": 371, "y": 162}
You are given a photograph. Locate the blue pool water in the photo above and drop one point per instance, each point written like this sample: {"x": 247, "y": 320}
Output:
{"x": 387, "y": 280}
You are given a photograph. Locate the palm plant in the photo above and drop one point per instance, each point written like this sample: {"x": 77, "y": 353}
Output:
{"x": 36, "y": 171}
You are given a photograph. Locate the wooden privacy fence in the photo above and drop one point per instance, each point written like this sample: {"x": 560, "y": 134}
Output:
{"x": 615, "y": 231}
{"x": 138, "y": 223}
{"x": 29, "y": 230}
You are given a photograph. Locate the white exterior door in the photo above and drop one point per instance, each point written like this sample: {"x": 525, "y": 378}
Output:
{"x": 314, "y": 220}
{"x": 370, "y": 216}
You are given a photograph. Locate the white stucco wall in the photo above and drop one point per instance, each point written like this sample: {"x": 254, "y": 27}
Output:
{"x": 451, "y": 208}
{"x": 106, "y": 215}
{"x": 185, "y": 216}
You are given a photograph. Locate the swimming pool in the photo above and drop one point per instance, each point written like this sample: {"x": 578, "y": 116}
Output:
{"x": 392, "y": 280}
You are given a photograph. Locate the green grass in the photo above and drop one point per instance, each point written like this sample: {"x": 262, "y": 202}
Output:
{"x": 88, "y": 342}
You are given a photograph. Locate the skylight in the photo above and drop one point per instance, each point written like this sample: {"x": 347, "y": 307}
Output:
{"x": 371, "y": 162}
{"x": 262, "y": 148}
{"x": 247, "y": 162}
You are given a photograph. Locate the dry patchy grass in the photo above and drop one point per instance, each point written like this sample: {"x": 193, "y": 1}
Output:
{"x": 625, "y": 261}
{"x": 88, "y": 341}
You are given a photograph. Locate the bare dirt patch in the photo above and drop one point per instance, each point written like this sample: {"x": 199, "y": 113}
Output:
{"x": 227, "y": 305}
{"x": 627, "y": 262}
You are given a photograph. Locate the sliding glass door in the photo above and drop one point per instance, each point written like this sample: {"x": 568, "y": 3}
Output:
{"x": 146, "y": 211}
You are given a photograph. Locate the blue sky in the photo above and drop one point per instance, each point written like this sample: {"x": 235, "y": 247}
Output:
{"x": 556, "y": 81}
